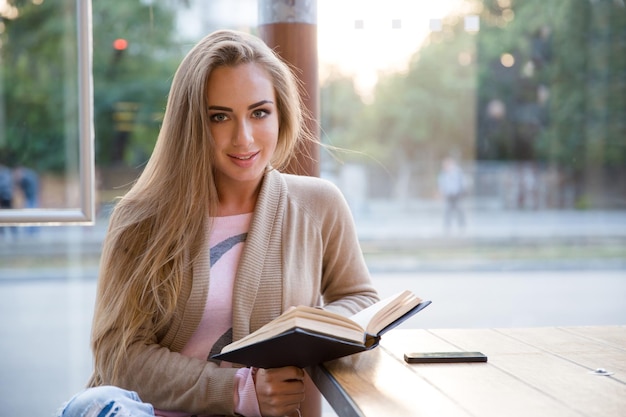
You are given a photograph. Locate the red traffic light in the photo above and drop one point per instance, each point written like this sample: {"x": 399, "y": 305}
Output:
{"x": 120, "y": 44}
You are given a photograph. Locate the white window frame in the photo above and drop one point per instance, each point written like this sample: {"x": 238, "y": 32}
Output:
{"x": 85, "y": 214}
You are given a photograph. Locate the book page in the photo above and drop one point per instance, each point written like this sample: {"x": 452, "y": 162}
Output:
{"x": 377, "y": 316}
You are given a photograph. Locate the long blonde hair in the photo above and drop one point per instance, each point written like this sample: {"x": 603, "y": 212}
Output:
{"x": 157, "y": 227}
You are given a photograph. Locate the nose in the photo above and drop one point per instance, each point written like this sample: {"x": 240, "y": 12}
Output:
{"x": 242, "y": 136}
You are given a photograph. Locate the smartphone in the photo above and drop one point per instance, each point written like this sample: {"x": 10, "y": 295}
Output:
{"x": 444, "y": 357}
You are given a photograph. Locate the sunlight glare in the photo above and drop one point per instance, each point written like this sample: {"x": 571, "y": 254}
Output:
{"x": 363, "y": 38}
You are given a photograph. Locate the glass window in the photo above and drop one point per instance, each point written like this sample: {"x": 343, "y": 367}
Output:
{"x": 46, "y": 132}
{"x": 479, "y": 143}
{"x": 486, "y": 153}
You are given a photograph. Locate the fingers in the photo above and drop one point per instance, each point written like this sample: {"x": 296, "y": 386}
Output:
{"x": 287, "y": 372}
{"x": 280, "y": 390}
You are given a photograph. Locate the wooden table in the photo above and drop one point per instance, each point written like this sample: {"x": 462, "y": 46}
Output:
{"x": 531, "y": 372}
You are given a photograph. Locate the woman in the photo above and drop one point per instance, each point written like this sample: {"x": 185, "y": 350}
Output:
{"x": 212, "y": 242}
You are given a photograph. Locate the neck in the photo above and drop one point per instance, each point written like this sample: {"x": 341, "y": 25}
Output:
{"x": 237, "y": 198}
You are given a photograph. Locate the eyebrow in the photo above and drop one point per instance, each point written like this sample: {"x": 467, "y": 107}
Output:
{"x": 250, "y": 107}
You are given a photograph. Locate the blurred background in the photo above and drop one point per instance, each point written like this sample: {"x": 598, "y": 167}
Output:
{"x": 481, "y": 145}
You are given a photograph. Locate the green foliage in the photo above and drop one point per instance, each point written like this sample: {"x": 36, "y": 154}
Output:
{"x": 561, "y": 101}
{"x": 39, "y": 80}
{"x": 131, "y": 85}
{"x": 414, "y": 115}
{"x": 341, "y": 111}
{"x": 578, "y": 55}
{"x": 35, "y": 83}
{"x": 571, "y": 51}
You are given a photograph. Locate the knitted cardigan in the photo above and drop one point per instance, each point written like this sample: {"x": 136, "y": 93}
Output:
{"x": 301, "y": 249}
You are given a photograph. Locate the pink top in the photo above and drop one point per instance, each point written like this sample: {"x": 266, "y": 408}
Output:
{"x": 226, "y": 241}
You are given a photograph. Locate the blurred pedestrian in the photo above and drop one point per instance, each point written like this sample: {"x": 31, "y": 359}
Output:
{"x": 6, "y": 195}
{"x": 452, "y": 187}
{"x": 27, "y": 181}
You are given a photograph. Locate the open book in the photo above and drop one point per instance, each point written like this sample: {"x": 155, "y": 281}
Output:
{"x": 304, "y": 336}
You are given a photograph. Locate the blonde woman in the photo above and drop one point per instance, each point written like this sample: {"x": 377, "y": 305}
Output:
{"x": 212, "y": 242}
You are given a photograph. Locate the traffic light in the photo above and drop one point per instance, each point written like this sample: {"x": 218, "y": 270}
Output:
{"x": 120, "y": 44}
{"x": 119, "y": 50}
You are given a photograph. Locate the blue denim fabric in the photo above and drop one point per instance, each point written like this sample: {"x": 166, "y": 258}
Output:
{"x": 106, "y": 401}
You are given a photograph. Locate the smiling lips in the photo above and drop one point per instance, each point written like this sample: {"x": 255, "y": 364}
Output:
{"x": 240, "y": 159}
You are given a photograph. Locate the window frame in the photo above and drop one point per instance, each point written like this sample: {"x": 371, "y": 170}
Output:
{"x": 85, "y": 213}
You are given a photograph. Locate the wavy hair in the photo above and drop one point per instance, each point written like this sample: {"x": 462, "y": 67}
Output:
{"x": 156, "y": 229}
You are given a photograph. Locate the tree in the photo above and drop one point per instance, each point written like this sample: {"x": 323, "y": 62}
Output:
{"x": 418, "y": 116}
{"x": 562, "y": 100}
{"x": 541, "y": 83}
{"x": 341, "y": 111}
{"x": 131, "y": 85}
{"x": 35, "y": 83}
{"x": 39, "y": 76}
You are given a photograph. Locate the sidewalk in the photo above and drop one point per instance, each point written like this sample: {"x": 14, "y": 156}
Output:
{"x": 388, "y": 221}
{"x": 384, "y": 221}
{"x": 393, "y": 239}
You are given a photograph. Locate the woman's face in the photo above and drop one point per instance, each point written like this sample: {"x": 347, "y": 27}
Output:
{"x": 244, "y": 123}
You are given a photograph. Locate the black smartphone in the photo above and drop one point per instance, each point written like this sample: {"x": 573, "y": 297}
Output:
{"x": 444, "y": 357}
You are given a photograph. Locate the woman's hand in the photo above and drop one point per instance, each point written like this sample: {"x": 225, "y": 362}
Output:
{"x": 279, "y": 391}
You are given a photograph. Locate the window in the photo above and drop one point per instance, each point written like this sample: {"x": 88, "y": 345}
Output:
{"x": 46, "y": 129}
{"x": 520, "y": 103}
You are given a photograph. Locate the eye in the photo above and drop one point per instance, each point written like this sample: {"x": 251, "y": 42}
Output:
{"x": 218, "y": 117}
{"x": 260, "y": 113}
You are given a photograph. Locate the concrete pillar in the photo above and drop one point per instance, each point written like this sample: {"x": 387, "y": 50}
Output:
{"x": 290, "y": 28}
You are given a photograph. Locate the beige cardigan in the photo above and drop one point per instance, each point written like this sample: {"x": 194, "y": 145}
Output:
{"x": 302, "y": 248}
